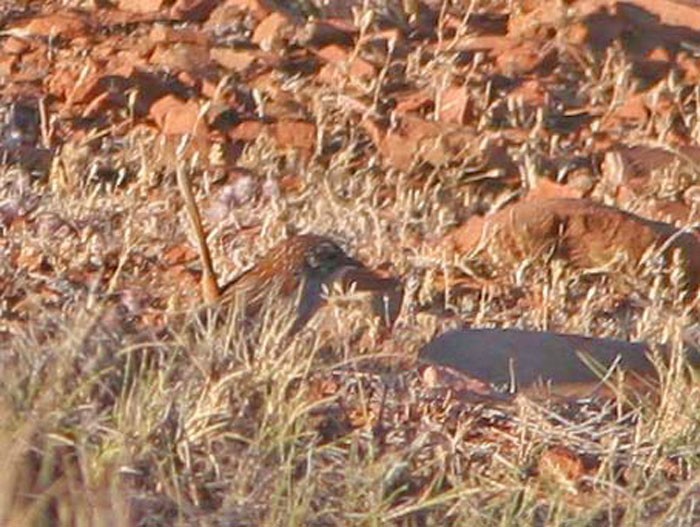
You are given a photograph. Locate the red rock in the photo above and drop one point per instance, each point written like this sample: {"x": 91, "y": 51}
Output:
{"x": 377, "y": 44}
{"x": 162, "y": 34}
{"x": 179, "y": 254}
{"x": 633, "y": 109}
{"x": 577, "y": 34}
{"x": 62, "y": 82}
{"x": 454, "y": 105}
{"x": 15, "y": 46}
{"x": 585, "y": 233}
{"x": 287, "y": 134}
{"x": 318, "y": 33}
{"x": 141, "y": 6}
{"x": 546, "y": 188}
{"x": 561, "y": 463}
{"x": 334, "y": 53}
{"x": 35, "y": 67}
{"x": 7, "y": 63}
{"x": 101, "y": 104}
{"x": 240, "y": 60}
{"x": 194, "y": 10}
{"x": 669, "y": 211}
{"x": 175, "y": 117}
{"x": 118, "y": 83}
{"x": 532, "y": 92}
{"x": 30, "y": 258}
{"x": 339, "y": 66}
{"x": 272, "y": 31}
{"x": 416, "y": 140}
{"x": 247, "y": 131}
{"x": 672, "y": 12}
{"x": 115, "y": 18}
{"x": 230, "y": 11}
{"x": 523, "y": 59}
{"x": 67, "y": 25}
{"x": 295, "y": 134}
{"x": 436, "y": 376}
{"x": 548, "y": 13}
{"x": 414, "y": 101}
{"x": 374, "y": 130}
{"x": 659, "y": 53}
{"x": 184, "y": 57}
{"x": 494, "y": 44}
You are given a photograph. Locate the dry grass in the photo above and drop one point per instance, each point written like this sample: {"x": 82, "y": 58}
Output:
{"x": 121, "y": 405}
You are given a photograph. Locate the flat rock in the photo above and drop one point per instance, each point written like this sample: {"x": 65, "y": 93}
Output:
{"x": 561, "y": 364}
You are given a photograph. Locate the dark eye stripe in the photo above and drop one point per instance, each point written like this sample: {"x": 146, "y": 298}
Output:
{"x": 327, "y": 249}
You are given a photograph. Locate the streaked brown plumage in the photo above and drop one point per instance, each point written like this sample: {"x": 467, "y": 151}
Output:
{"x": 296, "y": 269}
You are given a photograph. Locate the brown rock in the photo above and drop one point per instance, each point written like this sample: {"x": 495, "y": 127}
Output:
{"x": 632, "y": 110}
{"x": 242, "y": 60}
{"x": 162, "y": 34}
{"x": 548, "y": 189}
{"x": 532, "y": 92}
{"x": 272, "y": 31}
{"x": 414, "y": 101}
{"x": 525, "y": 58}
{"x": 673, "y": 12}
{"x": 228, "y": 12}
{"x": 341, "y": 65}
{"x": 287, "y": 134}
{"x": 193, "y": 10}
{"x": 454, "y": 105}
{"x": 175, "y": 117}
{"x": 493, "y": 44}
{"x": 562, "y": 463}
{"x": 247, "y": 131}
{"x": 16, "y": 46}
{"x": 182, "y": 57}
{"x": 141, "y": 6}
{"x": 67, "y": 25}
{"x": 117, "y": 84}
{"x": 295, "y": 134}
{"x": 7, "y": 63}
{"x": 436, "y": 376}
{"x": 419, "y": 140}
{"x": 583, "y": 232}
{"x": 319, "y": 33}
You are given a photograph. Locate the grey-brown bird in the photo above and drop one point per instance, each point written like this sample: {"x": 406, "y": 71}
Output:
{"x": 298, "y": 269}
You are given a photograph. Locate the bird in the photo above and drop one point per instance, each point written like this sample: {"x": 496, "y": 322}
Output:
{"x": 298, "y": 268}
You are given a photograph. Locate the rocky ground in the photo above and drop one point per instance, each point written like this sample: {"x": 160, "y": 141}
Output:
{"x": 520, "y": 164}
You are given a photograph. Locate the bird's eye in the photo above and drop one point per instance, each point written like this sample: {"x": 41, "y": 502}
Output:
{"x": 323, "y": 254}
